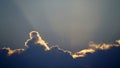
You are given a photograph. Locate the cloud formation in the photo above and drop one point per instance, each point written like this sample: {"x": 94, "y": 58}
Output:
{"x": 10, "y": 51}
{"x": 82, "y": 53}
{"x": 93, "y": 47}
{"x": 39, "y": 55}
{"x": 36, "y": 39}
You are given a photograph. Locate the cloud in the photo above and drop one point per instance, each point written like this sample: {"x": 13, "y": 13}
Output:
{"x": 118, "y": 41}
{"x": 93, "y": 47}
{"x": 10, "y": 51}
{"x": 39, "y": 55}
{"x": 104, "y": 46}
{"x": 83, "y": 53}
{"x": 36, "y": 39}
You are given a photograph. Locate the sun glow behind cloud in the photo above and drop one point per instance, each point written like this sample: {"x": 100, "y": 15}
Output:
{"x": 69, "y": 24}
{"x": 75, "y": 22}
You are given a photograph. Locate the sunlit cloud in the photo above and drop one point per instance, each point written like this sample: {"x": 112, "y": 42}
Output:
{"x": 103, "y": 46}
{"x": 36, "y": 39}
{"x": 55, "y": 56}
{"x": 93, "y": 47}
{"x": 10, "y": 51}
{"x": 118, "y": 41}
{"x": 83, "y": 53}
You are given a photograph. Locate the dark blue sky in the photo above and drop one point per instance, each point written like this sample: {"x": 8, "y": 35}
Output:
{"x": 69, "y": 24}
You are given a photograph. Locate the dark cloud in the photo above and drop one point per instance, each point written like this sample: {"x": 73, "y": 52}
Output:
{"x": 36, "y": 56}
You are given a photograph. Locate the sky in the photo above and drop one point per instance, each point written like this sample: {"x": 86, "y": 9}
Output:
{"x": 59, "y": 34}
{"x": 71, "y": 24}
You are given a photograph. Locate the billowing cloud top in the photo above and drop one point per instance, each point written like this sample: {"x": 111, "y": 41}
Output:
{"x": 36, "y": 39}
